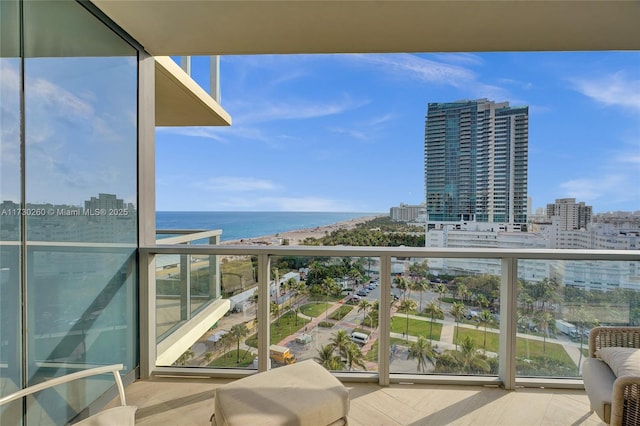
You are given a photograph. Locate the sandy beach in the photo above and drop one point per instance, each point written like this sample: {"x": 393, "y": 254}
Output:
{"x": 296, "y": 236}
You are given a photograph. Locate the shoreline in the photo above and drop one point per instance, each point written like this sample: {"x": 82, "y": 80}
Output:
{"x": 296, "y": 236}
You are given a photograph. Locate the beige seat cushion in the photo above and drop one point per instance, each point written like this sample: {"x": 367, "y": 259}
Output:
{"x": 299, "y": 394}
{"x": 622, "y": 361}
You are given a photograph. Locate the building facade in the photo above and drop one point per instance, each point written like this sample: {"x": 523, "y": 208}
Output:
{"x": 476, "y": 159}
{"x": 570, "y": 215}
{"x": 406, "y": 213}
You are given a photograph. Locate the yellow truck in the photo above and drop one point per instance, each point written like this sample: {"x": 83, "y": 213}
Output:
{"x": 281, "y": 355}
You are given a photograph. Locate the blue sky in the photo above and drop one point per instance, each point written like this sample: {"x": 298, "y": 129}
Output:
{"x": 346, "y": 132}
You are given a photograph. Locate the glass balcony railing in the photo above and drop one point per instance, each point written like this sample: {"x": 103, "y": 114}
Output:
{"x": 450, "y": 315}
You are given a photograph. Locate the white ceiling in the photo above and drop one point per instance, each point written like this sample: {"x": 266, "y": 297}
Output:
{"x": 206, "y": 27}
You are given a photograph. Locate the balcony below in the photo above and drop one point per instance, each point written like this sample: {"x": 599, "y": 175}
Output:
{"x": 190, "y": 402}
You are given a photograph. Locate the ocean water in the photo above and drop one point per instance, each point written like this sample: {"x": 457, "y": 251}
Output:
{"x": 238, "y": 225}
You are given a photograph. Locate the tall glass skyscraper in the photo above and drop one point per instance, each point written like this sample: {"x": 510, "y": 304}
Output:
{"x": 475, "y": 156}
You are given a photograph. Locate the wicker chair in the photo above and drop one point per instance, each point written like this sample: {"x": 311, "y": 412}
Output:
{"x": 616, "y": 400}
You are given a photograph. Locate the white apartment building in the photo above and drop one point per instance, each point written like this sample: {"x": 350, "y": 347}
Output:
{"x": 407, "y": 213}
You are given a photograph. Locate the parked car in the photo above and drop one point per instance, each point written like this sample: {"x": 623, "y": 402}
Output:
{"x": 361, "y": 293}
{"x": 353, "y": 300}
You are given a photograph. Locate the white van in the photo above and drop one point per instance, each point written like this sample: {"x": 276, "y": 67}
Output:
{"x": 359, "y": 338}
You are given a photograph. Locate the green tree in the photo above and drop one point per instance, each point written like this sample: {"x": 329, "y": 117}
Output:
{"x": 442, "y": 290}
{"x": 406, "y": 306}
{"x": 354, "y": 356}
{"x": 485, "y": 319}
{"x": 226, "y": 341}
{"x": 543, "y": 321}
{"x": 185, "y": 357}
{"x": 583, "y": 320}
{"x": 340, "y": 341}
{"x": 363, "y": 307}
{"x": 434, "y": 311}
{"x": 239, "y": 331}
{"x": 328, "y": 285}
{"x": 423, "y": 352}
{"x": 467, "y": 360}
{"x": 402, "y": 284}
{"x": 328, "y": 359}
{"x": 420, "y": 286}
{"x": 274, "y": 309}
{"x": 482, "y": 300}
{"x": 458, "y": 311}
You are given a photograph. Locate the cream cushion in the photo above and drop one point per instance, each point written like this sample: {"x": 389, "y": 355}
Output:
{"x": 622, "y": 361}
{"x": 304, "y": 393}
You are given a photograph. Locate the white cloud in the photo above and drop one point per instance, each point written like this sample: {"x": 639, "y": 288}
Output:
{"x": 419, "y": 68}
{"x": 295, "y": 109}
{"x": 615, "y": 187}
{"x": 617, "y": 89}
{"x": 428, "y": 71}
{"x": 198, "y": 132}
{"x": 355, "y": 134}
{"x": 236, "y": 184}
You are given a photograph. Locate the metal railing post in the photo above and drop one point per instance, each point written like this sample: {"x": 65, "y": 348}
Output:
{"x": 384, "y": 321}
{"x": 508, "y": 322}
{"x": 264, "y": 266}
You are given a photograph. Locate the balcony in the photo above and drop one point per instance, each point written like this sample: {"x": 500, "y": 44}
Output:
{"x": 190, "y": 402}
{"x": 391, "y": 390}
{"x": 213, "y": 288}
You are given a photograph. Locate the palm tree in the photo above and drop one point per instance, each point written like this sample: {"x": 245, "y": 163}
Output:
{"x": 226, "y": 341}
{"x": 403, "y": 284}
{"x": 543, "y": 321}
{"x": 442, "y": 289}
{"x": 354, "y": 356}
{"x": 433, "y": 310}
{"x": 457, "y": 310}
{"x": 328, "y": 359}
{"x": 185, "y": 357}
{"x": 482, "y": 300}
{"x": 466, "y": 360}
{"x": 340, "y": 341}
{"x": 423, "y": 352}
{"x": 420, "y": 285}
{"x": 275, "y": 311}
{"x": 328, "y": 284}
{"x": 583, "y": 319}
{"x": 363, "y": 306}
{"x": 406, "y": 306}
{"x": 485, "y": 319}
{"x": 301, "y": 289}
{"x": 462, "y": 292}
{"x": 290, "y": 284}
{"x": 239, "y": 331}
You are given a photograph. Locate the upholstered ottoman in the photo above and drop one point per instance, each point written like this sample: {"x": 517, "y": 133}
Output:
{"x": 298, "y": 394}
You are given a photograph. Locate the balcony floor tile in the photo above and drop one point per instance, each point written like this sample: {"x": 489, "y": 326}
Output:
{"x": 189, "y": 401}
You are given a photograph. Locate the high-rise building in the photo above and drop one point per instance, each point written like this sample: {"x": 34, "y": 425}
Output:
{"x": 475, "y": 156}
{"x": 569, "y": 214}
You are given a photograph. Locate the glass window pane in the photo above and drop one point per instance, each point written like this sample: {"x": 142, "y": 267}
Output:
{"x": 10, "y": 198}
{"x": 80, "y": 109}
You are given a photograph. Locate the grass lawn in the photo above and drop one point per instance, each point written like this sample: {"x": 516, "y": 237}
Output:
{"x": 526, "y": 348}
{"x": 314, "y": 309}
{"x": 416, "y": 327}
{"x": 278, "y": 332}
{"x": 229, "y": 359}
{"x": 341, "y": 312}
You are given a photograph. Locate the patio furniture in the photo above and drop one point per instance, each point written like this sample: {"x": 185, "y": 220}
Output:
{"x": 123, "y": 415}
{"x": 612, "y": 374}
{"x": 303, "y": 393}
